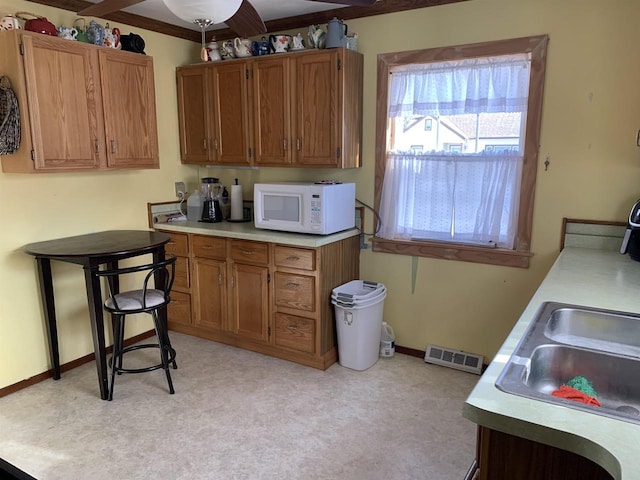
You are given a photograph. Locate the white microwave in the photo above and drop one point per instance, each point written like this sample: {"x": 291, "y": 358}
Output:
{"x": 318, "y": 208}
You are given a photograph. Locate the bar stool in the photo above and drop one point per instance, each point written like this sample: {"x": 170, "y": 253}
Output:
{"x": 151, "y": 299}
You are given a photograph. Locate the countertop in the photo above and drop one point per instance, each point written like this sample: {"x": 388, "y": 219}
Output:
{"x": 580, "y": 276}
{"x": 247, "y": 231}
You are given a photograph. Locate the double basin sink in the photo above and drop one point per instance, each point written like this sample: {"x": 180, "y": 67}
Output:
{"x": 564, "y": 341}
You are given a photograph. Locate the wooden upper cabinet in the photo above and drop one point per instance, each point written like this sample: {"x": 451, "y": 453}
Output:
{"x": 230, "y": 121}
{"x": 317, "y": 115}
{"x": 214, "y": 116}
{"x": 82, "y": 107}
{"x": 300, "y": 109}
{"x": 65, "y": 113}
{"x": 193, "y": 114}
{"x": 129, "y": 106}
{"x": 271, "y": 108}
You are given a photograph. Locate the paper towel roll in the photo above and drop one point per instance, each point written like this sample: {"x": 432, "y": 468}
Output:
{"x": 236, "y": 202}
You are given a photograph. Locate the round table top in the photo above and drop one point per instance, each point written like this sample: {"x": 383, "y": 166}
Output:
{"x": 111, "y": 242}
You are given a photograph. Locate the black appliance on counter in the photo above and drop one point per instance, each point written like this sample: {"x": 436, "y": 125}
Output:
{"x": 631, "y": 240}
{"x": 212, "y": 190}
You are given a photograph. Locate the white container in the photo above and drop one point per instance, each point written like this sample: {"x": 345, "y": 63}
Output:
{"x": 358, "y": 290}
{"x": 359, "y": 330}
{"x": 387, "y": 341}
{"x": 194, "y": 206}
{"x": 349, "y": 302}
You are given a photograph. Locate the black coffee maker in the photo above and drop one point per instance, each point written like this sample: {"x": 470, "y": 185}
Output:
{"x": 211, "y": 189}
{"x": 631, "y": 241}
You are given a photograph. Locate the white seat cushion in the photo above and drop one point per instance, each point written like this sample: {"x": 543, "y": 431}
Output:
{"x": 132, "y": 300}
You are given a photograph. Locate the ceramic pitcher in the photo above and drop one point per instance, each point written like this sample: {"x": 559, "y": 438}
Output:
{"x": 280, "y": 43}
{"x": 242, "y": 47}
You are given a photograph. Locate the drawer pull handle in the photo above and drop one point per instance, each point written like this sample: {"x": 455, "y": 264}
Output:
{"x": 293, "y": 328}
{"x": 247, "y": 252}
{"x": 293, "y": 286}
{"x": 293, "y": 259}
{"x": 171, "y": 243}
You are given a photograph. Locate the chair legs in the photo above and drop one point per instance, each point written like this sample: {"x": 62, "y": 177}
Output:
{"x": 167, "y": 353}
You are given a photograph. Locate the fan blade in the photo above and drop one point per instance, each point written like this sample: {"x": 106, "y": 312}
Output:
{"x": 246, "y": 22}
{"x": 107, "y": 6}
{"x": 354, "y": 3}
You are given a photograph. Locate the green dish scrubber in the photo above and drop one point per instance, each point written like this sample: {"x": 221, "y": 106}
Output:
{"x": 583, "y": 384}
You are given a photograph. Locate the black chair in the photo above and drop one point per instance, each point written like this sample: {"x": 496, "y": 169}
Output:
{"x": 152, "y": 298}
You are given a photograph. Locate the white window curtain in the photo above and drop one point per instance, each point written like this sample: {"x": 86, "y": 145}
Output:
{"x": 468, "y": 198}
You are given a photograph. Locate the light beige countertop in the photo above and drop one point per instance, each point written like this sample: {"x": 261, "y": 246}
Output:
{"x": 580, "y": 276}
{"x": 247, "y": 231}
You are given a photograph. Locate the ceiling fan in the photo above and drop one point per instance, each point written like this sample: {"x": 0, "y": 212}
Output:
{"x": 239, "y": 15}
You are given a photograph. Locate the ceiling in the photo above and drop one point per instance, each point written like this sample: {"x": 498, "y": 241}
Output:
{"x": 278, "y": 15}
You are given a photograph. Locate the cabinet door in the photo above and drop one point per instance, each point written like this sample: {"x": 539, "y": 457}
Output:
{"x": 271, "y": 110}
{"x": 230, "y": 125}
{"x": 249, "y": 291}
{"x": 317, "y": 120}
{"x": 193, "y": 115}
{"x": 64, "y": 109}
{"x": 211, "y": 293}
{"x": 129, "y": 104}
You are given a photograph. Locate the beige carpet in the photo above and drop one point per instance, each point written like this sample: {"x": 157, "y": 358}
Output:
{"x": 242, "y": 415}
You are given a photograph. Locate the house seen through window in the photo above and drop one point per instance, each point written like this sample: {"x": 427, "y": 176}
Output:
{"x": 457, "y": 168}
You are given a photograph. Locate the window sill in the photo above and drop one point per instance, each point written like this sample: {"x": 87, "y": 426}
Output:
{"x": 450, "y": 251}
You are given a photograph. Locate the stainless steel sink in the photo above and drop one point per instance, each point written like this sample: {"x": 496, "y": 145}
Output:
{"x": 597, "y": 329}
{"x": 564, "y": 341}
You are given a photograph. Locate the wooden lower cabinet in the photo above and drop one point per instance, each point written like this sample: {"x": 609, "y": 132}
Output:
{"x": 266, "y": 297}
{"x": 502, "y": 456}
{"x": 179, "y": 310}
{"x": 250, "y": 299}
{"x": 211, "y": 292}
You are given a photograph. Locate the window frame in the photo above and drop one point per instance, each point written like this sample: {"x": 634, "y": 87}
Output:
{"x": 521, "y": 254}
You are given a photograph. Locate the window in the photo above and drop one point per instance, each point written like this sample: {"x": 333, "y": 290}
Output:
{"x": 427, "y": 124}
{"x": 468, "y": 194}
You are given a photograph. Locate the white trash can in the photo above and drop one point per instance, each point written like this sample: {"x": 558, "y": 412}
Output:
{"x": 359, "y": 327}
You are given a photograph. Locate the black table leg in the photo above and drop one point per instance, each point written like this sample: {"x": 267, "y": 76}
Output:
{"x": 49, "y": 308}
{"x": 94, "y": 297}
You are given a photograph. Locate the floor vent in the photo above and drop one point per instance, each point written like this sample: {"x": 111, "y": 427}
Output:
{"x": 447, "y": 357}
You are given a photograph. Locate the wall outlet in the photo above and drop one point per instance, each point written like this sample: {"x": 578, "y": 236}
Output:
{"x": 181, "y": 189}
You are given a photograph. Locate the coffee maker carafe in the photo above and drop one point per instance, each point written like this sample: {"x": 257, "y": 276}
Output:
{"x": 631, "y": 241}
{"x": 211, "y": 189}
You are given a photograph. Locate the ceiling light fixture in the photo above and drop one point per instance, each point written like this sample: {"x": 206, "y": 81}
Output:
{"x": 203, "y": 13}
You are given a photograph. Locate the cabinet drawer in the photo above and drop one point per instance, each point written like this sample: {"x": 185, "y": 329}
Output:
{"x": 210, "y": 247}
{"x": 182, "y": 273}
{"x": 179, "y": 309}
{"x": 178, "y": 245}
{"x": 251, "y": 252}
{"x": 295, "y": 332}
{"x": 295, "y": 291}
{"x": 295, "y": 258}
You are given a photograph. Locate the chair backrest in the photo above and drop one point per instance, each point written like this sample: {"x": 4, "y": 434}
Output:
{"x": 162, "y": 272}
